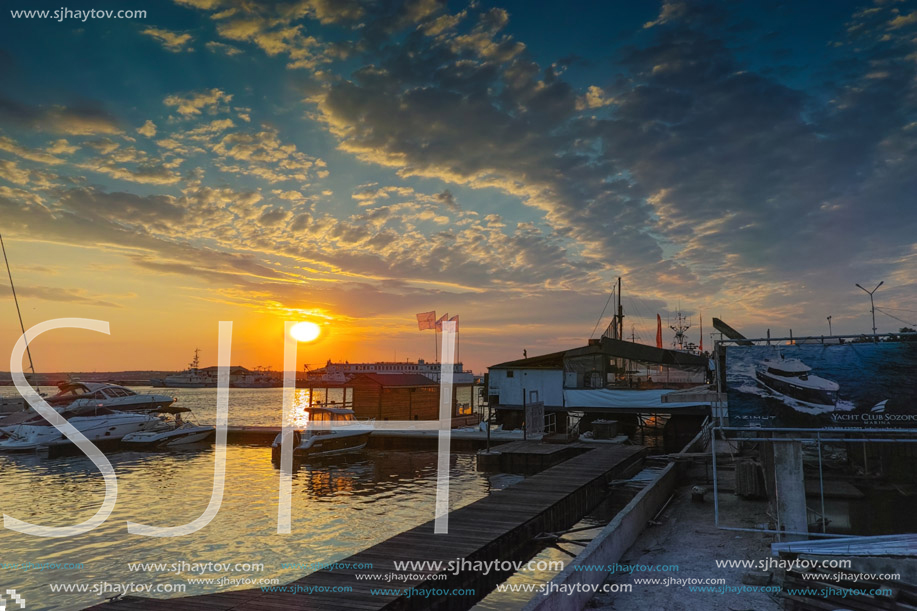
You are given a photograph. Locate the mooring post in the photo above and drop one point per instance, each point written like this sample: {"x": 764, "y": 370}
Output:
{"x": 790, "y": 490}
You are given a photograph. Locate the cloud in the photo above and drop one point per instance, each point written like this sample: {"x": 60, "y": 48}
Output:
{"x": 706, "y": 176}
{"x": 130, "y": 164}
{"x": 171, "y": 41}
{"x": 219, "y": 47}
{"x": 206, "y": 5}
{"x": 62, "y": 147}
{"x": 595, "y": 97}
{"x": 79, "y": 120}
{"x": 59, "y": 294}
{"x": 901, "y": 21}
{"x": 193, "y": 103}
{"x": 703, "y": 174}
{"x": 11, "y": 172}
{"x": 41, "y": 156}
{"x": 148, "y": 129}
{"x": 265, "y": 155}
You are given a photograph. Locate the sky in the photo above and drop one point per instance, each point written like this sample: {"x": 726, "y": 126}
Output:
{"x": 355, "y": 163}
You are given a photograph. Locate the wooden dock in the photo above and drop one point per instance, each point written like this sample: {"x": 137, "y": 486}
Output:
{"x": 380, "y": 439}
{"x": 530, "y": 457}
{"x": 501, "y": 527}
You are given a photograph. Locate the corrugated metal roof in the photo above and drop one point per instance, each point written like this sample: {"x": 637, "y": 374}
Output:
{"x": 554, "y": 360}
{"x": 610, "y": 348}
{"x": 395, "y": 379}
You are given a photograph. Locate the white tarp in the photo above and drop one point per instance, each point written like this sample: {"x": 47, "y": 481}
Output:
{"x": 622, "y": 399}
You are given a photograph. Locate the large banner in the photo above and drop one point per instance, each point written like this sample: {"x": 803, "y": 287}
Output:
{"x": 863, "y": 385}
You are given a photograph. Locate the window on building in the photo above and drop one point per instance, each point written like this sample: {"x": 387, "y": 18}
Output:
{"x": 463, "y": 401}
{"x": 509, "y": 373}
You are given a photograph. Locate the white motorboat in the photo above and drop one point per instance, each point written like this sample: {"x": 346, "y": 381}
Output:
{"x": 95, "y": 423}
{"x": 11, "y": 405}
{"x": 790, "y": 378}
{"x": 112, "y": 396}
{"x": 330, "y": 430}
{"x": 170, "y": 432}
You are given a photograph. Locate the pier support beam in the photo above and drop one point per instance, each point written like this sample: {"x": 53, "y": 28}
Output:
{"x": 790, "y": 489}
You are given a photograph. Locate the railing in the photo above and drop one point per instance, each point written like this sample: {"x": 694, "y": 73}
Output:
{"x": 574, "y": 430}
{"x": 550, "y": 423}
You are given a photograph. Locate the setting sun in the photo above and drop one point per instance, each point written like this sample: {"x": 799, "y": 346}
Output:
{"x": 305, "y": 331}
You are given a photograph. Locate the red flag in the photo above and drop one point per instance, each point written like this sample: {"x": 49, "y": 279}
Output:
{"x": 426, "y": 320}
{"x": 455, "y": 320}
{"x": 439, "y": 323}
{"x": 658, "y": 331}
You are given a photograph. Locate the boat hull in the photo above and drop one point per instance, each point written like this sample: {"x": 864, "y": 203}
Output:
{"x": 26, "y": 437}
{"x": 147, "y": 403}
{"x": 173, "y": 438}
{"x": 811, "y": 397}
{"x": 324, "y": 445}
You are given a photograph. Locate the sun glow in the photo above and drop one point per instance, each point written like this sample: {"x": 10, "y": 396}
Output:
{"x": 305, "y": 331}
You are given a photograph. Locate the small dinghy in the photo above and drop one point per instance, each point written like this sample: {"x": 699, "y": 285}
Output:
{"x": 174, "y": 430}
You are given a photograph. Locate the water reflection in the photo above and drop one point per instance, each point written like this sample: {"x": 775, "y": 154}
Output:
{"x": 340, "y": 506}
{"x": 358, "y": 474}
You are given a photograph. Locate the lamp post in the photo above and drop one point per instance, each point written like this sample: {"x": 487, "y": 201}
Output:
{"x": 872, "y": 306}
{"x": 829, "y": 326}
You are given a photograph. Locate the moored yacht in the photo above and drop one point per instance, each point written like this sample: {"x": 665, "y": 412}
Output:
{"x": 95, "y": 423}
{"x": 112, "y": 396}
{"x": 330, "y": 430}
{"x": 175, "y": 428}
{"x": 790, "y": 378}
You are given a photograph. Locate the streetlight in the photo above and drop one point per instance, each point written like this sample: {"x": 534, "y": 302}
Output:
{"x": 872, "y": 306}
{"x": 829, "y": 326}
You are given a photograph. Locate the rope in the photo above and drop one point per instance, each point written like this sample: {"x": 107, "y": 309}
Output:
{"x": 913, "y": 324}
{"x": 16, "y": 299}
{"x": 602, "y": 315}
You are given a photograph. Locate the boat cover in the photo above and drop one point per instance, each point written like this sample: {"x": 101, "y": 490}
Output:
{"x": 623, "y": 399}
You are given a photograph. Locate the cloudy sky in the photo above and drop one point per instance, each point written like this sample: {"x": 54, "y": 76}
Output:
{"x": 354, "y": 163}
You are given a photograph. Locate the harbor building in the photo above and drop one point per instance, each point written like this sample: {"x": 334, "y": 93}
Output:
{"x": 606, "y": 379}
{"x": 393, "y": 396}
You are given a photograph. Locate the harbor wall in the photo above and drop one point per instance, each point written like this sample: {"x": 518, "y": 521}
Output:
{"x": 607, "y": 547}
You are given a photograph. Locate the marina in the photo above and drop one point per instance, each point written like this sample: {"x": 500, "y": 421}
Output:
{"x": 544, "y": 443}
{"x": 552, "y": 500}
{"x": 231, "y": 228}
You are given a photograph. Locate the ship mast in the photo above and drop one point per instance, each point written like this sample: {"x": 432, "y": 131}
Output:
{"x": 680, "y": 328}
{"x": 16, "y": 300}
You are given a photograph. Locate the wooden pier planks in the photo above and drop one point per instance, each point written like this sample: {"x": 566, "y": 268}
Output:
{"x": 498, "y": 527}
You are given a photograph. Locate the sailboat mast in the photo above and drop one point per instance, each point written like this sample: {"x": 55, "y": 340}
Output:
{"x": 16, "y": 300}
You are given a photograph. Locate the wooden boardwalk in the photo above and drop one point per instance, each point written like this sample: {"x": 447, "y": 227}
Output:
{"x": 379, "y": 439}
{"x": 501, "y": 526}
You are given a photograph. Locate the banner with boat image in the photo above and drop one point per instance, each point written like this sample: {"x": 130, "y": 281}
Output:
{"x": 823, "y": 385}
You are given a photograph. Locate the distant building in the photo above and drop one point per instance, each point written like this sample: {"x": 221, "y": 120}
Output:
{"x": 340, "y": 372}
